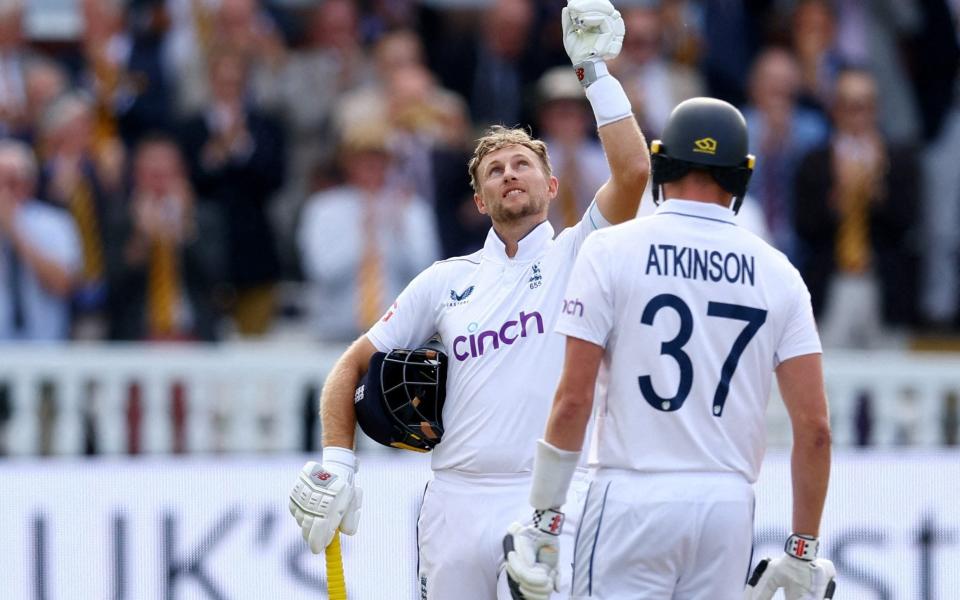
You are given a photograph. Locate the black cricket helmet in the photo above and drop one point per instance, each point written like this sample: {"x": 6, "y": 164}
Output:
{"x": 399, "y": 402}
{"x": 706, "y": 134}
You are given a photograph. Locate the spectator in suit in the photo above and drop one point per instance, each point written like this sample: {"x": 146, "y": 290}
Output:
{"x": 781, "y": 134}
{"x": 938, "y": 89}
{"x": 384, "y": 237}
{"x": 169, "y": 252}
{"x": 813, "y": 28}
{"x": 855, "y": 205}
{"x": 122, "y": 68}
{"x": 85, "y": 179}
{"x": 309, "y": 84}
{"x": 39, "y": 253}
{"x": 489, "y": 67}
{"x": 654, "y": 82}
{"x": 236, "y": 158}
{"x": 429, "y": 130}
{"x": 45, "y": 81}
{"x": 200, "y": 28}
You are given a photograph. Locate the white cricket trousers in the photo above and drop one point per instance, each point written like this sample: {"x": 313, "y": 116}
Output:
{"x": 460, "y": 533}
{"x": 669, "y": 536}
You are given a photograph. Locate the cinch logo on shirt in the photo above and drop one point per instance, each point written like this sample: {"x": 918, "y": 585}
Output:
{"x": 475, "y": 344}
{"x": 573, "y": 307}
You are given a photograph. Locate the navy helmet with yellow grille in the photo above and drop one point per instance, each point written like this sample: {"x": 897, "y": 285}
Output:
{"x": 706, "y": 134}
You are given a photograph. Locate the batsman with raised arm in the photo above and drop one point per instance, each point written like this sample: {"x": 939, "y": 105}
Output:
{"x": 494, "y": 311}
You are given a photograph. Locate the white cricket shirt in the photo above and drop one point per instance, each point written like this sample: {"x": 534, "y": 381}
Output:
{"x": 695, "y": 313}
{"x": 496, "y": 316}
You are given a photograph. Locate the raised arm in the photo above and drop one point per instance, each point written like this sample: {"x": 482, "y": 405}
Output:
{"x": 593, "y": 33}
{"x": 619, "y": 198}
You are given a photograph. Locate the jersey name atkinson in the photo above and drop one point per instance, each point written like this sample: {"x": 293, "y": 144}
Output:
{"x": 694, "y": 313}
{"x": 496, "y": 316}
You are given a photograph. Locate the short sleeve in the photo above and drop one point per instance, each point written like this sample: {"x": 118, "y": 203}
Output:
{"x": 587, "y": 311}
{"x": 411, "y": 319}
{"x": 575, "y": 235}
{"x": 800, "y": 329}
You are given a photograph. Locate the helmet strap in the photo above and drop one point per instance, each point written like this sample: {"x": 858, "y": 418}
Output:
{"x": 737, "y": 203}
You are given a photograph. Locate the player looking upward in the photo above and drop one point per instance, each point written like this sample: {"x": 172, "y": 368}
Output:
{"x": 495, "y": 310}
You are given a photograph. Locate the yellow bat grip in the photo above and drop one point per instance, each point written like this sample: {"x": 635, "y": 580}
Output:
{"x": 336, "y": 588}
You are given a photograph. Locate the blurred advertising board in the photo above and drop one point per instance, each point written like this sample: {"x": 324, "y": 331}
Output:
{"x": 218, "y": 527}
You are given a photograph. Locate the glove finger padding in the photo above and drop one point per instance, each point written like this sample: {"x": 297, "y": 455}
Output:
{"x": 600, "y": 6}
{"x": 800, "y": 580}
{"x": 319, "y": 535}
{"x": 306, "y": 528}
{"x": 530, "y": 559}
{"x": 762, "y": 584}
{"x": 351, "y": 519}
{"x": 295, "y": 510}
{"x": 529, "y": 583}
{"x": 591, "y": 34}
{"x": 820, "y": 585}
{"x": 565, "y": 21}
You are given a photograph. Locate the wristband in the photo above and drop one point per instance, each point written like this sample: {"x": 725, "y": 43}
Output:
{"x": 589, "y": 71}
{"x": 548, "y": 521}
{"x": 608, "y": 100}
{"x": 341, "y": 456}
{"x": 804, "y": 547}
{"x": 553, "y": 469}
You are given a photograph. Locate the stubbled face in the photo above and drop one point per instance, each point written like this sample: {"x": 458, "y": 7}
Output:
{"x": 513, "y": 185}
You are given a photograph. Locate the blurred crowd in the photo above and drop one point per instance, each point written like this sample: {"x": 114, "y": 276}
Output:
{"x": 215, "y": 169}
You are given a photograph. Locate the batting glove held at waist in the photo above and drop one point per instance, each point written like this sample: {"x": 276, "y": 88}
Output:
{"x": 799, "y": 572}
{"x": 323, "y": 500}
{"x": 592, "y": 30}
{"x": 530, "y": 555}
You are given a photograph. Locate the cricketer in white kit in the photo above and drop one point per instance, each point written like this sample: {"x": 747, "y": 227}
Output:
{"x": 684, "y": 316}
{"x": 495, "y": 311}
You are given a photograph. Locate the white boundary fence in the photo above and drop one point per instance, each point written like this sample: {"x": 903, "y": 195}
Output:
{"x": 261, "y": 398}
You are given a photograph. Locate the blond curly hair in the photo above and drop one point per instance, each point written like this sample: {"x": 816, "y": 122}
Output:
{"x": 497, "y": 137}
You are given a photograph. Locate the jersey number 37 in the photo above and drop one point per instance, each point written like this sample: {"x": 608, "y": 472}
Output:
{"x": 754, "y": 317}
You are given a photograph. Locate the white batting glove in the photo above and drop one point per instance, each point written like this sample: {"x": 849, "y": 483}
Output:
{"x": 799, "y": 572}
{"x": 592, "y": 30}
{"x": 325, "y": 498}
{"x": 530, "y": 554}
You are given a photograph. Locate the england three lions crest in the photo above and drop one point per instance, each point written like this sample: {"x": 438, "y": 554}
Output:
{"x": 536, "y": 279}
